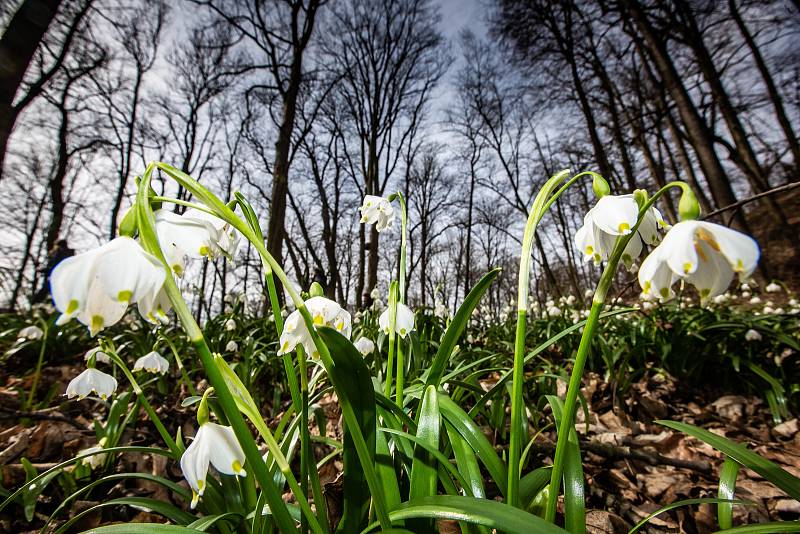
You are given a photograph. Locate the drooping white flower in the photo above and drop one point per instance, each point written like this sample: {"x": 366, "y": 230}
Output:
{"x": 752, "y": 335}
{"x": 706, "y": 255}
{"x": 378, "y": 211}
{"x": 375, "y": 294}
{"x": 403, "y": 323}
{"x": 214, "y": 444}
{"x": 230, "y": 325}
{"x": 30, "y": 333}
{"x": 611, "y": 217}
{"x": 154, "y": 306}
{"x": 181, "y": 236}
{"x": 768, "y": 309}
{"x": 755, "y": 300}
{"x": 93, "y": 460}
{"x": 324, "y": 312}
{"x": 89, "y": 381}
{"x": 227, "y": 238}
{"x": 772, "y": 287}
{"x": 231, "y": 346}
{"x": 364, "y": 345}
{"x": 99, "y": 355}
{"x": 745, "y": 294}
{"x": 97, "y": 286}
{"x": 152, "y": 362}
{"x": 440, "y": 310}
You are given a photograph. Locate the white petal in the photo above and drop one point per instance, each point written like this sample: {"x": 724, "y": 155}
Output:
{"x": 632, "y": 251}
{"x": 679, "y": 248}
{"x": 155, "y": 306}
{"x": 91, "y": 380}
{"x": 69, "y": 283}
{"x": 194, "y": 464}
{"x": 364, "y": 346}
{"x": 152, "y": 362}
{"x": 741, "y": 250}
{"x": 225, "y": 453}
{"x": 713, "y": 275}
{"x": 100, "y": 310}
{"x": 655, "y": 276}
{"x": 616, "y": 215}
{"x": 127, "y": 272}
{"x": 404, "y": 322}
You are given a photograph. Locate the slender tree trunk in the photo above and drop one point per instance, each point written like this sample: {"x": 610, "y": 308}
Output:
{"x": 57, "y": 203}
{"x": 361, "y": 265}
{"x": 125, "y": 163}
{"x": 27, "y": 256}
{"x": 17, "y": 47}
{"x": 772, "y": 90}
{"x": 468, "y": 246}
{"x": 698, "y": 132}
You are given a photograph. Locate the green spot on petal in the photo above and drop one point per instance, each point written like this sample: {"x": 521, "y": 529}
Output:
{"x": 72, "y": 307}
{"x": 97, "y": 323}
{"x": 125, "y": 296}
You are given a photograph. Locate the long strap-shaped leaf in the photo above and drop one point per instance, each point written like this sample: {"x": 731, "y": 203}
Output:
{"x": 727, "y": 485}
{"x": 574, "y": 498}
{"x": 767, "y": 469}
{"x": 473, "y": 435}
{"x": 492, "y": 514}
{"x": 351, "y": 380}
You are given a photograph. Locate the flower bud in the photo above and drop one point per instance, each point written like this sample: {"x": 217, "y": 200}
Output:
{"x": 127, "y": 225}
{"x": 640, "y": 196}
{"x": 600, "y": 186}
{"x": 688, "y": 207}
{"x": 316, "y": 290}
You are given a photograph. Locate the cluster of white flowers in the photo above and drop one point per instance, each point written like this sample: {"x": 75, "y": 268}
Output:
{"x": 378, "y": 211}
{"x": 195, "y": 234}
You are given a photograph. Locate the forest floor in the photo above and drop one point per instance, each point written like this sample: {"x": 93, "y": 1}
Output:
{"x": 632, "y": 466}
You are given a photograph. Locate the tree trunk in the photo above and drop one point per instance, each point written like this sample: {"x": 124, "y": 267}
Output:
{"x": 17, "y": 48}
{"x": 698, "y": 132}
{"x": 57, "y": 203}
{"x": 772, "y": 90}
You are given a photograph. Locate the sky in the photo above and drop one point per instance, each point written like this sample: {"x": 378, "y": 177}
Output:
{"x": 462, "y": 14}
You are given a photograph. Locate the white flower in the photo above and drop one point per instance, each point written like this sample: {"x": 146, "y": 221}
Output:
{"x": 152, "y": 362}
{"x": 230, "y": 325}
{"x": 768, "y": 309}
{"x": 375, "y": 294}
{"x": 97, "y": 286}
{"x": 324, "y": 312}
{"x": 773, "y": 288}
{"x": 648, "y": 305}
{"x": 181, "y": 236}
{"x": 93, "y": 460}
{"x": 214, "y": 444}
{"x": 778, "y": 311}
{"x": 440, "y": 310}
{"x": 227, "y": 238}
{"x": 793, "y": 302}
{"x": 752, "y": 335}
{"x": 755, "y": 300}
{"x": 365, "y": 346}
{"x": 91, "y": 380}
{"x": 745, "y": 294}
{"x": 705, "y": 254}
{"x": 553, "y": 311}
{"x": 615, "y": 216}
{"x": 31, "y": 332}
{"x": 99, "y": 355}
{"x": 745, "y": 287}
{"x": 570, "y": 300}
{"x": 155, "y": 306}
{"x": 232, "y": 346}
{"x": 378, "y": 211}
{"x": 403, "y": 323}
{"x": 589, "y": 293}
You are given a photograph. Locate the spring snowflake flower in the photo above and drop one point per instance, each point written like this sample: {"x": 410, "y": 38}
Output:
{"x": 324, "y": 312}
{"x": 227, "y": 238}
{"x": 615, "y": 216}
{"x": 93, "y": 460}
{"x": 89, "y": 381}
{"x": 152, "y": 362}
{"x": 99, "y": 355}
{"x": 216, "y": 445}
{"x": 230, "y": 325}
{"x": 378, "y": 211}
{"x": 96, "y": 287}
{"x": 364, "y": 345}
{"x": 755, "y": 300}
{"x": 404, "y": 321}
{"x": 752, "y": 335}
{"x": 232, "y": 346}
{"x": 773, "y": 288}
{"x": 707, "y": 255}
{"x": 30, "y": 333}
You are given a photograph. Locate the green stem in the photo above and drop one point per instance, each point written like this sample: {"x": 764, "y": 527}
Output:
{"x": 598, "y": 301}
{"x": 185, "y": 203}
{"x": 518, "y": 426}
{"x": 305, "y": 437}
{"x": 400, "y": 373}
{"x": 38, "y": 371}
{"x": 179, "y": 364}
{"x": 162, "y": 431}
{"x": 403, "y": 245}
{"x": 392, "y": 304}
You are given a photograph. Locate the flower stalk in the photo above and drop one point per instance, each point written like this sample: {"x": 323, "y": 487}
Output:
{"x": 37, "y": 373}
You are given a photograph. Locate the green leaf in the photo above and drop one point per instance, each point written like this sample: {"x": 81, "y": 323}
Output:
{"x": 574, "y": 498}
{"x": 727, "y": 485}
{"x": 766, "y": 528}
{"x": 493, "y": 514}
{"x": 423, "y": 468}
{"x": 532, "y": 484}
{"x": 170, "y": 511}
{"x": 205, "y": 522}
{"x": 467, "y": 463}
{"x": 767, "y": 469}
{"x": 688, "y": 502}
{"x": 457, "y": 326}
{"x": 351, "y": 380}
{"x": 141, "y": 528}
{"x": 473, "y": 435}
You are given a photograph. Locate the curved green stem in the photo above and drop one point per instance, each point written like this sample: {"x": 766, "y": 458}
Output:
{"x": 179, "y": 364}
{"x": 37, "y": 373}
{"x": 151, "y": 413}
{"x": 598, "y": 301}
{"x": 180, "y": 202}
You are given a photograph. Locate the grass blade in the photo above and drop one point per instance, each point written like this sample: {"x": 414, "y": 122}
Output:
{"x": 688, "y": 502}
{"x": 574, "y": 497}
{"x": 727, "y": 485}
